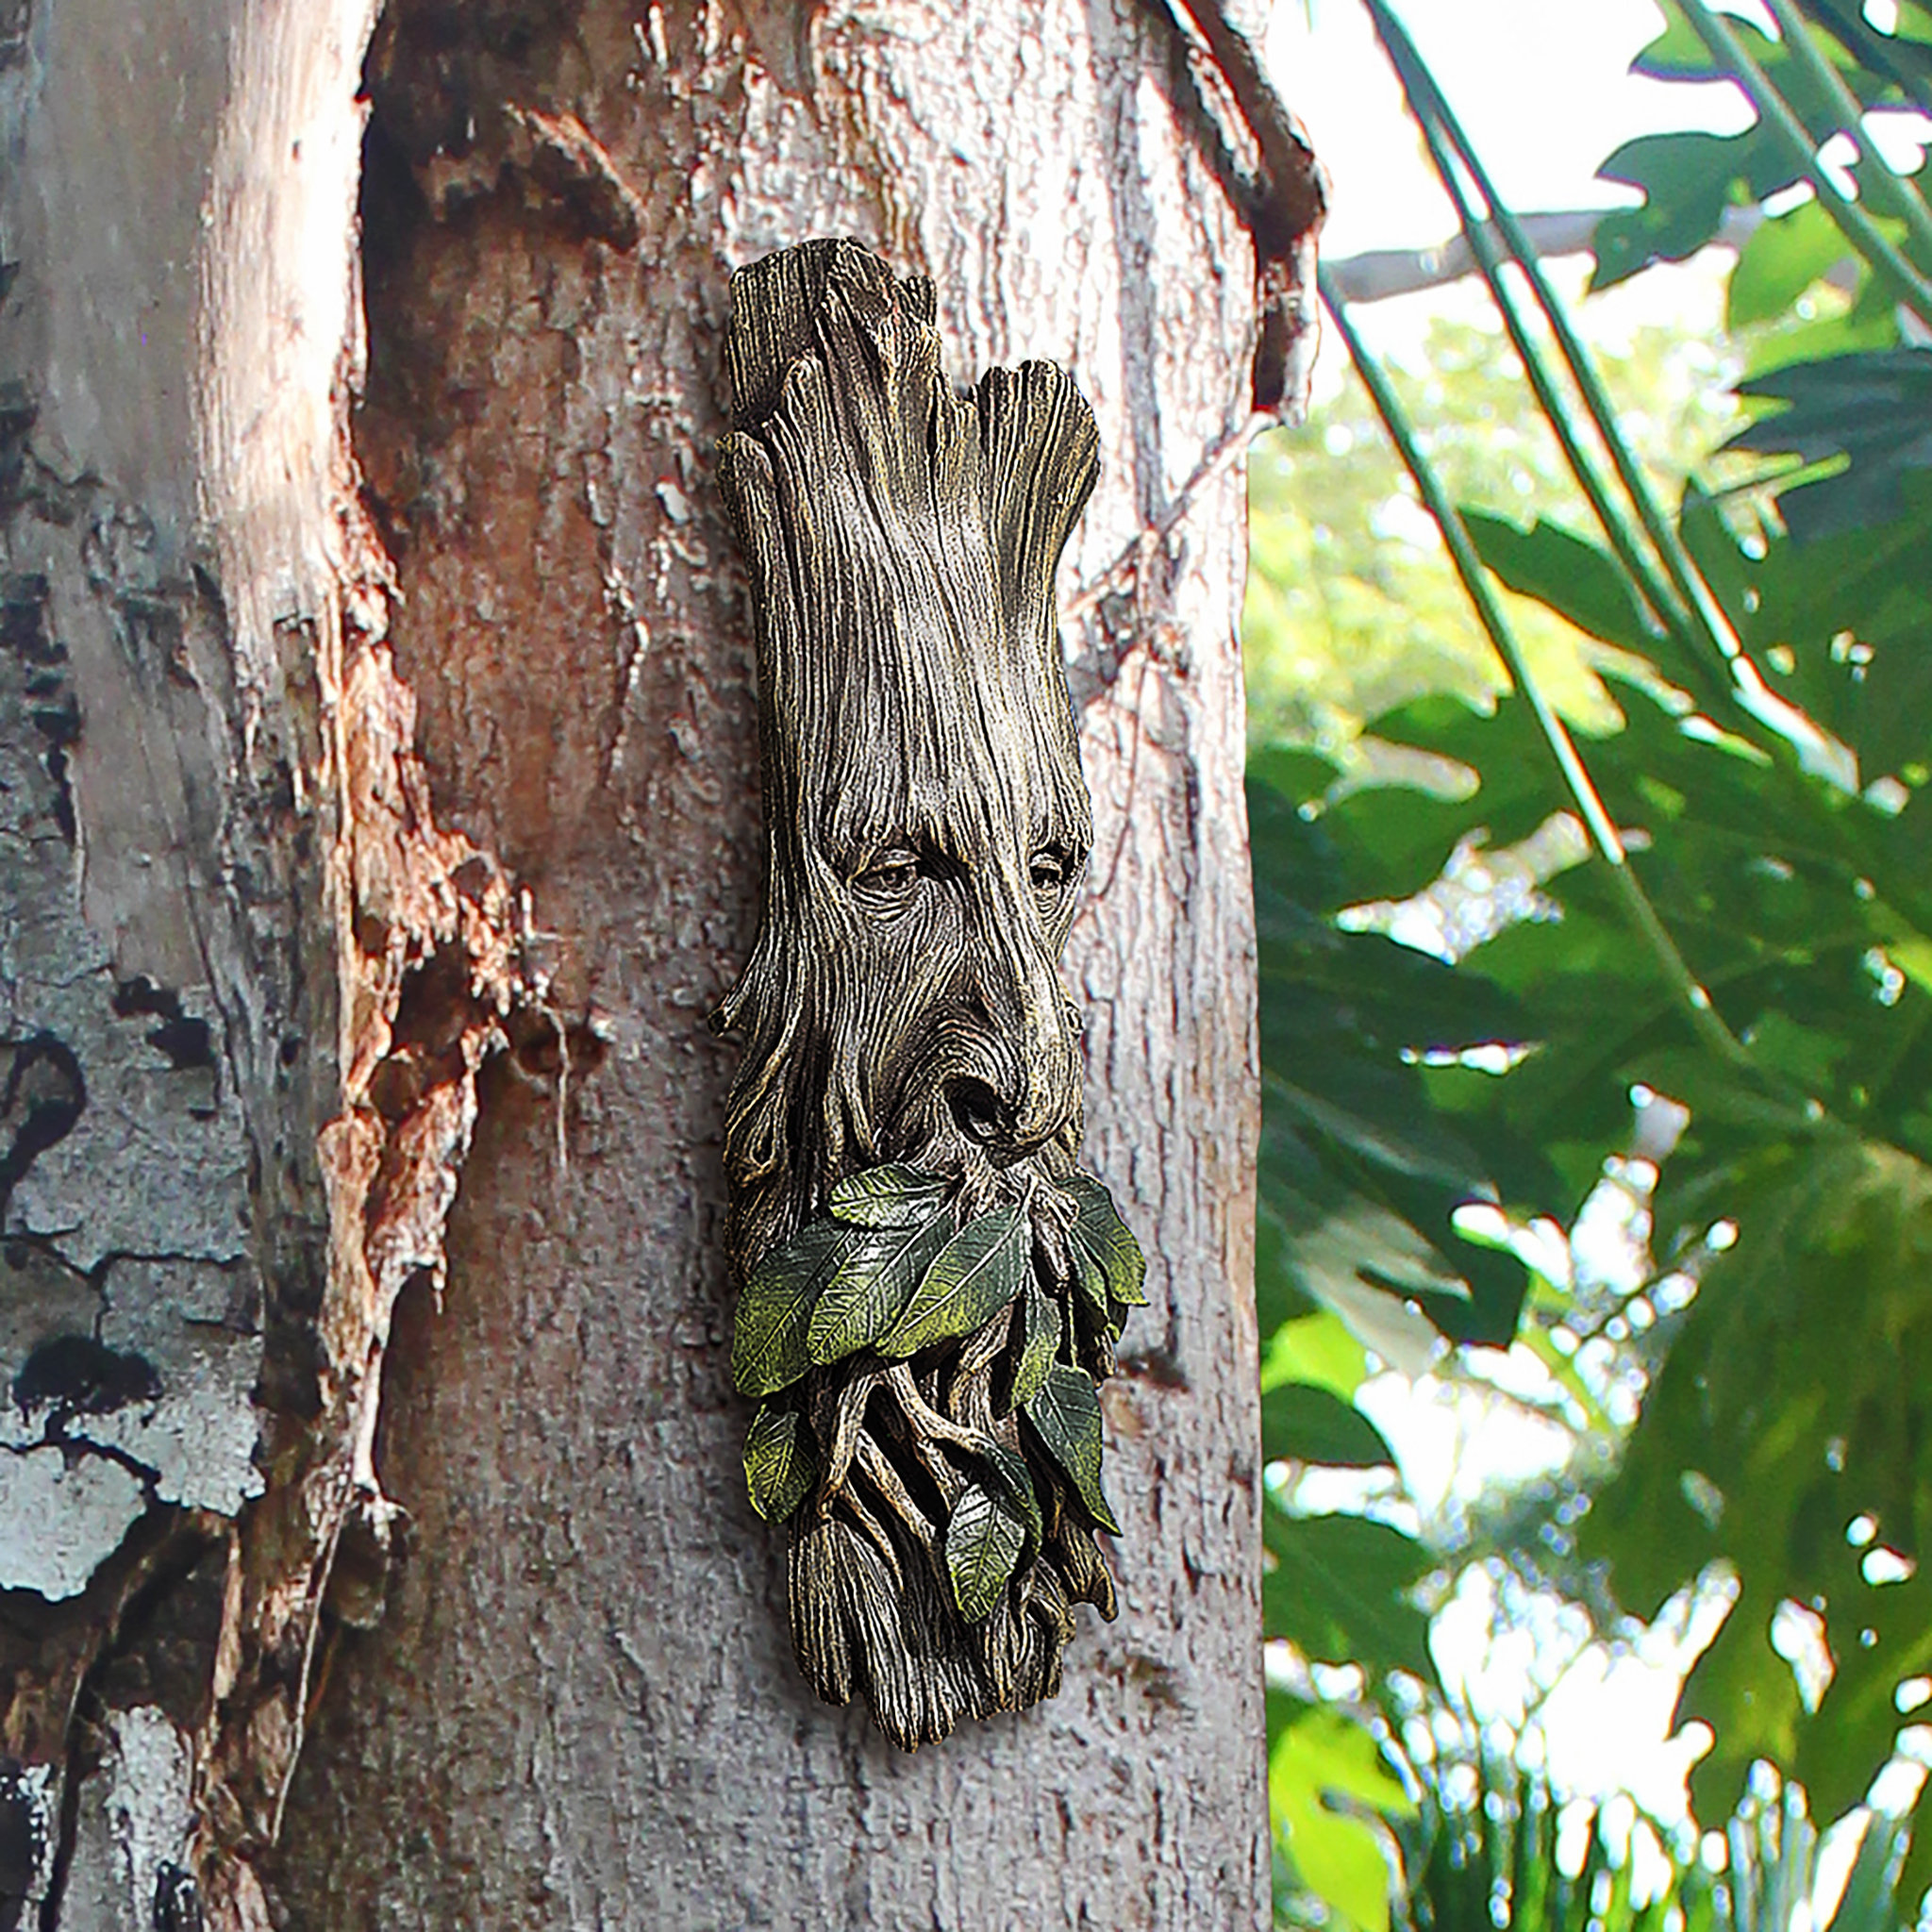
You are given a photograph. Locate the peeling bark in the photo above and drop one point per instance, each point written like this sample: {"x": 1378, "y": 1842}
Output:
{"x": 342, "y": 746}
{"x": 245, "y": 982}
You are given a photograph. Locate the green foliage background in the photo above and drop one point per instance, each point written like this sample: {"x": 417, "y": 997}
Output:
{"x": 1776, "y": 810}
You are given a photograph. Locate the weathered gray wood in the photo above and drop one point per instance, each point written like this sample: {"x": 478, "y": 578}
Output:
{"x": 227, "y": 1143}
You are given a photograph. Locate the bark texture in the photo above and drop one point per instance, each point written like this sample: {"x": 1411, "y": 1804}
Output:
{"x": 256, "y": 951}
{"x": 247, "y": 980}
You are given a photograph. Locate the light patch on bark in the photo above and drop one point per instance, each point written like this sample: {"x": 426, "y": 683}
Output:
{"x": 132, "y": 1828}
{"x": 61, "y": 1517}
{"x": 123, "y": 1135}
{"x": 157, "y": 1162}
{"x": 194, "y": 1323}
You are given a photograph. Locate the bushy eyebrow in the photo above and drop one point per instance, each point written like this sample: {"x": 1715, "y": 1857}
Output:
{"x": 862, "y": 820}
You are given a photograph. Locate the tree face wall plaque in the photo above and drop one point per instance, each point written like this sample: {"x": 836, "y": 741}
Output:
{"x": 931, "y": 1289}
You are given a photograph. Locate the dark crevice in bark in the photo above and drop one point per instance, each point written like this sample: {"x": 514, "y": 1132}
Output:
{"x": 187, "y": 1041}
{"x": 74, "y": 1375}
{"x": 54, "y": 712}
{"x": 43, "y": 1099}
{"x": 23, "y": 1841}
{"x": 66, "y": 1831}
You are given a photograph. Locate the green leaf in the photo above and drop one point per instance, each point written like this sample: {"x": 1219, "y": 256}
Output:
{"x": 780, "y": 1467}
{"x": 1749, "y": 1689}
{"x": 1917, "y": 1872}
{"x": 891, "y": 1196}
{"x": 1324, "y": 1772}
{"x": 1066, "y": 1417}
{"x": 1687, "y": 181}
{"x": 1679, "y": 54}
{"x": 1572, "y": 577}
{"x": 1039, "y": 1345}
{"x": 1341, "y": 1587}
{"x": 1012, "y": 1481}
{"x": 1872, "y": 410}
{"x": 1317, "y": 1349}
{"x": 1786, "y": 255}
{"x": 1873, "y": 1896}
{"x": 767, "y": 1340}
{"x": 1791, "y": 1405}
{"x": 1111, "y": 1263}
{"x": 882, "y": 1266}
{"x": 1797, "y": 607}
{"x": 983, "y": 1546}
{"x": 976, "y": 1274}
{"x": 1306, "y": 1424}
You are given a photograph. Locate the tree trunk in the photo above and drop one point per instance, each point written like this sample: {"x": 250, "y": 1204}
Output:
{"x": 340, "y": 746}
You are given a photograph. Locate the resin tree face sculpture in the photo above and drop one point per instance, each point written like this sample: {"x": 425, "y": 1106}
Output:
{"x": 931, "y": 1289}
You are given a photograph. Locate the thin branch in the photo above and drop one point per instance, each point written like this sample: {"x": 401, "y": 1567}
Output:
{"x": 1132, "y": 562}
{"x": 1283, "y": 207}
{"x": 1297, "y": 192}
{"x": 1378, "y": 274}
{"x": 1703, "y": 1018}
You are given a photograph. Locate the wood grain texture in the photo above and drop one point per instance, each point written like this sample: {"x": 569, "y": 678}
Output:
{"x": 926, "y": 836}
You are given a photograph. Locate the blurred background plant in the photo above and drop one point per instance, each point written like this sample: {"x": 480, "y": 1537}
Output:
{"x": 1590, "y": 748}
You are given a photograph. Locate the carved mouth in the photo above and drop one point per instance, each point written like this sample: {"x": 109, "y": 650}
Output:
{"x": 963, "y": 1135}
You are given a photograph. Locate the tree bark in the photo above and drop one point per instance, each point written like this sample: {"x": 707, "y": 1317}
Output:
{"x": 343, "y": 746}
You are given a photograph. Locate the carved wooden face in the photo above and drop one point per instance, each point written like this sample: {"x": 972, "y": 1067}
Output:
{"x": 930, "y": 1291}
{"x": 926, "y": 825}
{"x": 945, "y": 882}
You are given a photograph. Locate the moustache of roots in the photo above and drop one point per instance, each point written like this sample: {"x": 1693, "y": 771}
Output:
{"x": 928, "y": 1359}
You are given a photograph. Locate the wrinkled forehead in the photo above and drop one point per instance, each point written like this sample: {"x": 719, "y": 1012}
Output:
{"x": 968, "y": 791}
{"x": 917, "y": 721}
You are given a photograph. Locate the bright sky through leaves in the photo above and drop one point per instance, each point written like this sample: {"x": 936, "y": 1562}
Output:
{"x": 1543, "y": 87}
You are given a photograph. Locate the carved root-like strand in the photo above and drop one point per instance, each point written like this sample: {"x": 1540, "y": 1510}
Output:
{"x": 909, "y": 1453}
{"x": 891, "y": 1633}
{"x": 931, "y": 1289}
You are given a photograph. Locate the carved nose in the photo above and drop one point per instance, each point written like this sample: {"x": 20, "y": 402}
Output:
{"x": 1007, "y": 1127}
{"x": 1024, "y": 1096}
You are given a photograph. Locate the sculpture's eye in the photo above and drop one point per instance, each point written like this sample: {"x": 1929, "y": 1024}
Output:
{"x": 886, "y": 882}
{"x": 1050, "y": 873}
